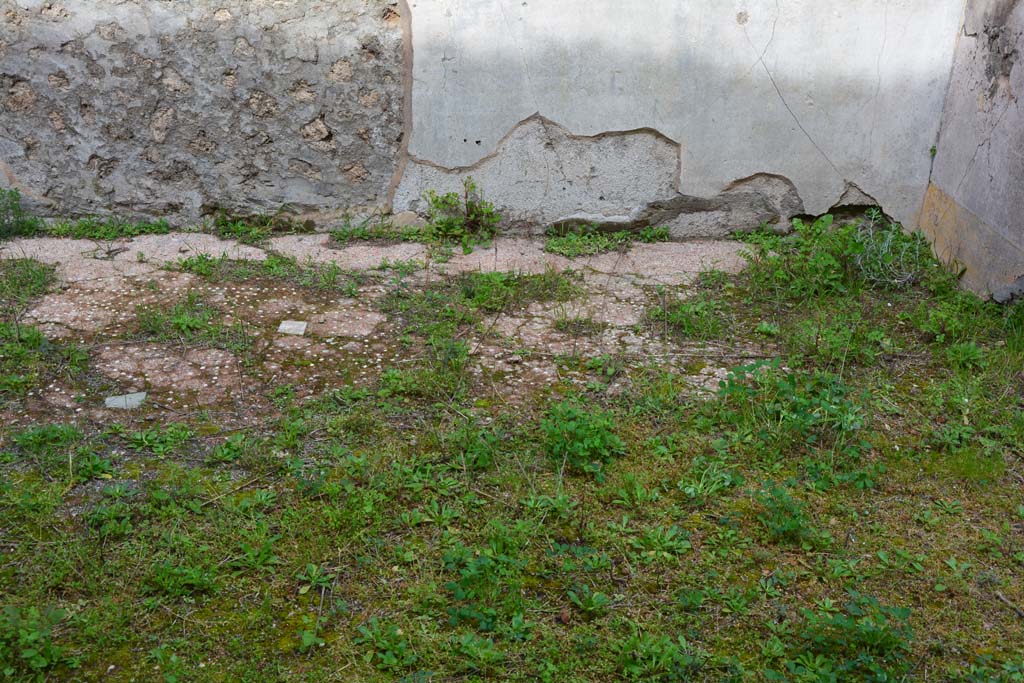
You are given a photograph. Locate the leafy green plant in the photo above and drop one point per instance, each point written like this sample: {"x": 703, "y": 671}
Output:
{"x": 464, "y": 218}
{"x": 14, "y": 222}
{"x": 477, "y": 652}
{"x": 387, "y": 647}
{"x": 579, "y": 325}
{"x": 170, "y": 665}
{"x": 22, "y": 280}
{"x": 107, "y": 229}
{"x": 589, "y": 601}
{"x": 41, "y": 439}
{"x": 585, "y": 242}
{"x": 26, "y": 356}
{"x": 309, "y": 634}
{"x": 864, "y": 641}
{"x": 257, "y": 228}
{"x": 791, "y": 409}
{"x": 691, "y": 599}
{"x": 647, "y": 657}
{"x": 257, "y": 552}
{"x": 192, "y": 321}
{"x": 377, "y": 227}
{"x": 230, "y": 450}
{"x": 87, "y": 465}
{"x": 824, "y": 259}
{"x": 698, "y": 317}
{"x": 583, "y": 440}
{"x": 708, "y": 479}
{"x": 786, "y": 520}
{"x": 573, "y": 241}
{"x": 160, "y": 440}
{"x": 28, "y": 647}
{"x": 181, "y": 581}
{"x": 314, "y": 577}
{"x": 951, "y": 318}
{"x": 839, "y": 338}
{"x": 966, "y": 355}
{"x": 475, "y": 446}
{"x": 661, "y": 543}
{"x": 632, "y": 493}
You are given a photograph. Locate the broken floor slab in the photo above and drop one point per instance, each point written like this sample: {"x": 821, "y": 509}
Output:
{"x": 126, "y": 401}
{"x": 350, "y": 321}
{"x": 294, "y": 327}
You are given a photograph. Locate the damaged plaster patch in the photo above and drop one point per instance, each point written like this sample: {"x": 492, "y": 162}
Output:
{"x": 745, "y": 205}
{"x": 748, "y": 203}
{"x": 1002, "y": 55}
{"x": 854, "y": 196}
{"x": 540, "y": 173}
{"x": 1010, "y": 293}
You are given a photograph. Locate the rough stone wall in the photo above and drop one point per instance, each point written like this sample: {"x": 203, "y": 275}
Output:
{"x": 149, "y": 107}
{"x": 974, "y": 209}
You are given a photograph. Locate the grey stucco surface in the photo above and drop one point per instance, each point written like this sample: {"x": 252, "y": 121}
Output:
{"x": 974, "y": 208}
{"x": 540, "y": 173}
{"x": 140, "y": 107}
{"x": 822, "y": 94}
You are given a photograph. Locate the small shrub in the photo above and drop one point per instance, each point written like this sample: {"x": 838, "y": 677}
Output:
{"x": 584, "y": 440}
{"x": 887, "y": 257}
{"x": 821, "y": 259}
{"x": 464, "y": 218}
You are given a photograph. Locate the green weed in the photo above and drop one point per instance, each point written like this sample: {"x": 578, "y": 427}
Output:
{"x": 580, "y": 439}
{"x": 464, "y": 218}
{"x": 14, "y": 222}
